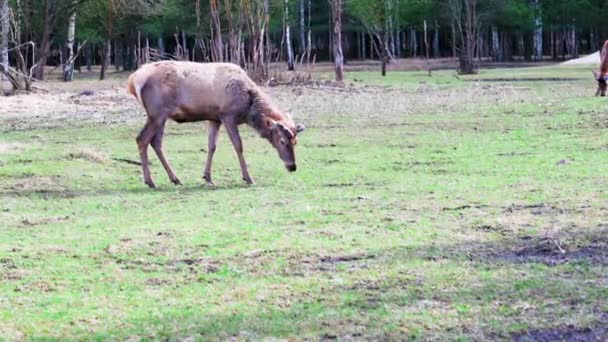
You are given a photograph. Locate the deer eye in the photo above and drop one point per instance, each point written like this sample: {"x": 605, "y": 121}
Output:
{"x": 282, "y": 141}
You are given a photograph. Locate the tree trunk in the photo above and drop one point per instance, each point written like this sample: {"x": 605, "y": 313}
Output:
{"x": 68, "y": 68}
{"x": 538, "y": 32}
{"x": 426, "y": 40}
{"x": 216, "y": 32}
{"x": 108, "y": 46}
{"x": 384, "y": 52}
{"x": 453, "y": 41}
{"x": 413, "y": 43}
{"x": 496, "y": 55}
{"x": 309, "y": 33}
{"x": 160, "y": 43}
{"x": 290, "y": 62}
{"x": 466, "y": 15}
{"x": 88, "y": 55}
{"x": 301, "y": 22}
{"x": 117, "y": 56}
{"x": 4, "y": 23}
{"x": 233, "y": 54}
{"x": 45, "y": 42}
{"x": 436, "y": 52}
{"x": 336, "y": 11}
{"x": 573, "y": 42}
{"x": 363, "y": 46}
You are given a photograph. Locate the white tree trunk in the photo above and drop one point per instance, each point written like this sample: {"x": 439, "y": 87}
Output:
{"x": 68, "y": 67}
{"x": 4, "y": 22}
{"x": 309, "y": 33}
{"x": 538, "y": 32}
{"x": 496, "y": 55}
{"x": 413, "y": 43}
{"x": 301, "y": 22}
{"x": 336, "y": 9}
{"x": 290, "y": 64}
{"x": 436, "y": 52}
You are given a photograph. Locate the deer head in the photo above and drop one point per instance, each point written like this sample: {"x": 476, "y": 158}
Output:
{"x": 284, "y": 141}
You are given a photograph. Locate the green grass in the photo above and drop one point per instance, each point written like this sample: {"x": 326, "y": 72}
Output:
{"x": 480, "y": 217}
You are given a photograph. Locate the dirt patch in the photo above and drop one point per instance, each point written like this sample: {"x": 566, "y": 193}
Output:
{"x": 36, "y": 286}
{"x": 207, "y": 265}
{"x": 157, "y": 282}
{"x": 15, "y": 274}
{"x": 299, "y": 265}
{"x": 338, "y": 185}
{"x": 527, "y": 79}
{"x": 570, "y": 334}
{"x": 89, "y": 154}
{"x": 42, "y": 221}
{"x": 6, "y": 148}
{"x": 466, "y": 206}
{"x": 551, "y": 253}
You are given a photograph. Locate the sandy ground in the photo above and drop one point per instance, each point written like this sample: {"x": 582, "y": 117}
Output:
{"x": 592, "y": 59}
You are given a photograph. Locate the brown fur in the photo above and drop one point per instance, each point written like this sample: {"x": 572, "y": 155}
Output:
{"x": 603, "y": 71}
{"x": 220, "y": 93}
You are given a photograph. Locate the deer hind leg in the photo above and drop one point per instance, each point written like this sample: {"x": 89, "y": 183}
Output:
{"x": 143, "y": 140}
{"x": 157, "y": 145}
{"x": 214, "y": 127}
{"x": 233, "y": 132}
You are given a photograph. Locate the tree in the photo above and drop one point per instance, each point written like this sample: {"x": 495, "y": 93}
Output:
{"x": 374, "y": 16}
{"x": 464, "y": 14}
{"x": 216, "y": 32}
{"x": 336, "y": 11}
{"x": 4, "y": 27}
{"x": 290, "y": 61}
{"x": 538, "y": 31}
{"x": 68, "y": 69}
{"x": 105, "y": 60}
{"x": 302, "y": 27}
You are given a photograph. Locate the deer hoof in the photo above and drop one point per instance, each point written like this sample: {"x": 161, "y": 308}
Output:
{"x": 176, "y": 181}
{"x": 151, "y": 185}
{"x": 208, "y": 181}
{"x": 248, "y": 181}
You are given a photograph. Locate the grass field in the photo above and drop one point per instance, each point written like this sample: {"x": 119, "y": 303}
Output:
{"x": 470, "y": 208}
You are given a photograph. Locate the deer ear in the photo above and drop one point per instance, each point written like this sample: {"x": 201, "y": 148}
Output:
{"x": 300, "y": 127}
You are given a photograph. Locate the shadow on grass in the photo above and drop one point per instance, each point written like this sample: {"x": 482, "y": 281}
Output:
{"x": 355, "y": 307}
{"x": 585, "y": 245}
{"x": 78, "y": 193}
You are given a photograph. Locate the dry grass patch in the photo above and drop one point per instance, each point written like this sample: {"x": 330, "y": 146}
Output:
{"x": 89, "y": 154}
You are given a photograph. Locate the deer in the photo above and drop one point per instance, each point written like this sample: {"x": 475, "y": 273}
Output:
{"x": 602, "y": 76}
{"x": 220, "y": 93}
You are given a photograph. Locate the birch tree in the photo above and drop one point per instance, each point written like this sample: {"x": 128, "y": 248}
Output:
{"x": 68, "y": 68}
{"x": 105, "y": 60}
{"x": 290, "y": 61}
{"x": 336, "y": 11}
{"x": 538, "y": 31}
{"x": 5, "y": 24}
{"x": 302, "y": 27}
{"x": 216, "y": 32}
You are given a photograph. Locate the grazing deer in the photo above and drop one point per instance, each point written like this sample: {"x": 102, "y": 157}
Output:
{"x": 220, "y": 93}
{"x": 602, "y": 76}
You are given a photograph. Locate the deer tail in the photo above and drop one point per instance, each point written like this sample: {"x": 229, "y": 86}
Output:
{"x": 134, "y": 86}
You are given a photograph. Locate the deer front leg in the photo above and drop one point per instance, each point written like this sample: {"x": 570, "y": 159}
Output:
{"x": 157, "y": 145}
{"x": 143, "y": 140}
{"x": 233, "y": 132}
{"x": 214, "y": 127}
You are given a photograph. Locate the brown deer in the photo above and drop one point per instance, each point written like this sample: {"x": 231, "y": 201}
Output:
{"x": 602, "y": 76}
{"x": 220, "y": 93}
